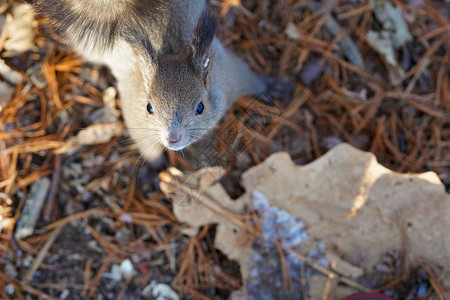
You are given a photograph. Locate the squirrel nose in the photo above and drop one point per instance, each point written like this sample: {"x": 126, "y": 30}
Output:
{"x": 174, "y": 138}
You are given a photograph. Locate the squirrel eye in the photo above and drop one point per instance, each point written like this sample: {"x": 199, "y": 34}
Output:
{"x": 206, "y": 62}
{"x": 150, "y": 109}
{"x": 200, "y": 108}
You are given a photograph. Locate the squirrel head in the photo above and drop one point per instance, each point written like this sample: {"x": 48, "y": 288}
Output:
{"x": 180, "y": 108}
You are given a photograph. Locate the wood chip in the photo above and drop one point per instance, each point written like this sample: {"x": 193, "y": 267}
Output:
{"x": 32, "y": 208}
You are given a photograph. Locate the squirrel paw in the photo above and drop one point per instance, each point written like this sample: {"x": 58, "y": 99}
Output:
{"x": 280, "y": 88}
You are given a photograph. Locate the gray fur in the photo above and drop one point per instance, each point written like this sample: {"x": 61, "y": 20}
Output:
{"x": 158, "y": 54}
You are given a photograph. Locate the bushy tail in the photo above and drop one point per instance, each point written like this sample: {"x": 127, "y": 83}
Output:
{"x": 95, "y": 25}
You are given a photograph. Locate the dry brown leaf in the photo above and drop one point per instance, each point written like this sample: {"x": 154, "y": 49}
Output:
{"x": 348, "y": 201}
{"x": 394, "y": 34}
{"x": 392, "y": 21}
{"x": 351, "y": 201}
{"x": 92, "y": 135}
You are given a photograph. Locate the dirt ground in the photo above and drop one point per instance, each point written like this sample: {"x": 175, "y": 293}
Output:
{"x": 106, "y": 231}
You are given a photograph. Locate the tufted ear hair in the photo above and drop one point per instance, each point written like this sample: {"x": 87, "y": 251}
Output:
{"x": 203, "y": 36}
{"x": 96, "y": 25}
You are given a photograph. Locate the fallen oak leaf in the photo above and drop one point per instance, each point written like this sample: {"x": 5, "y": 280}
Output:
{"x": 358, "y": 211}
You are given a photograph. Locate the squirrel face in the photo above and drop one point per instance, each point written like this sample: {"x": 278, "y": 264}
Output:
{"x": 179, "y": 110}
{"x": 179, "y": 107}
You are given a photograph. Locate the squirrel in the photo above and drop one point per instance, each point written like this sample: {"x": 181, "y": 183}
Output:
{"x": 175, "y": 78}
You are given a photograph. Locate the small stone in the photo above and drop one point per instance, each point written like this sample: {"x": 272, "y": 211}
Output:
{"x": 75, "y": 256}
{"x": 159, "y": 291}
{"x": 126, "y": 268}
{"x": 9, "y": 289}
{"x": 126, "y": 218}
{"x": 10, "y": 270}
{"x": 292, "y": 32}
{"x": 27, "y": 261}
{"x": 64, "y": 294}
{"x": 115, "y": 274}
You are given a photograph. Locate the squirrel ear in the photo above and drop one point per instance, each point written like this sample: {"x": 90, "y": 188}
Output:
{"x": 203, "y": 36}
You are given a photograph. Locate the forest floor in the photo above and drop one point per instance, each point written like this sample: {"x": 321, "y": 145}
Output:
{"x": 376, "y": 78}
